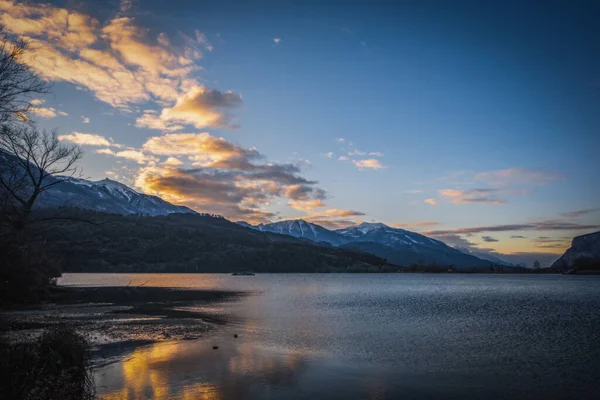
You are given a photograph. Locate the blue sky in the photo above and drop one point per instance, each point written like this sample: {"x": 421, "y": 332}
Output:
{"x": 474, "y": 122}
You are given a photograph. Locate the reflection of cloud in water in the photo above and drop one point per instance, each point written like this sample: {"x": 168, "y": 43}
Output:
{"x": 193, "y": 370}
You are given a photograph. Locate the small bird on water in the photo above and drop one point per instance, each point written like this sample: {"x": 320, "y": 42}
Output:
{"x": 215, "y": 347}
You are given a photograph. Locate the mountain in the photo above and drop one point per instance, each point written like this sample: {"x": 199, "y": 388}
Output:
{"x": 403, "y": 247}
{"x": 186, "y": 243}
{"x": 105, "y": 195}
{"x": 398, "y": 246}
{"x": 302, "y": 229}
{"x": 584, "y": 254}
{"x": 485, "y": 256}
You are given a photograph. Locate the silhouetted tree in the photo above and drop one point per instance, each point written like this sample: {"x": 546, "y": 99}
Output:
{"x": 28, "y": 160}
{"x": 536, "y": 265}
{"x": 18, "y": 82}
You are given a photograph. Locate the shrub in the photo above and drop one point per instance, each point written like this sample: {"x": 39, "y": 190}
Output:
{"x": 56, "y": 366}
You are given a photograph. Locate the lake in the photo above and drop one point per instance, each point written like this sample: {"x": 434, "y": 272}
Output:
{"x": 345, "y": 336}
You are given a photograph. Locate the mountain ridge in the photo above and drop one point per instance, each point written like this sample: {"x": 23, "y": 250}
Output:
{"x": 399, "y": 246}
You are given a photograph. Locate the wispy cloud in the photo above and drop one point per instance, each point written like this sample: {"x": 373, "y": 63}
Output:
{"x": 579, "y": 213}
{"x": 547, "y": 225}
{"x": 489, "y": 239}
{"x": 431, "y": 201}
{"x": 276, "y": 40}
{"x": 423, "y": 224}
{"x": 483, "y": 196}
{"x": 43, "y": 112}
{"x": 370, "y": 163}
{"x": 86, "y": 139}
{"x": 356, "y": 152}
{"x": 85, "y": 119}
{"x": 505, "y": 177}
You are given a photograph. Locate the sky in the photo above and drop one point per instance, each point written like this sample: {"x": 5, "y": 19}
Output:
{"x": 477, "y": 123}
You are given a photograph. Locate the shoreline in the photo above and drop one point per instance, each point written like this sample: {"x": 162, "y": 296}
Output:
{"x": 117, "y": 318}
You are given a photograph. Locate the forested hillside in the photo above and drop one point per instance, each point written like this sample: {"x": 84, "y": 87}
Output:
{"x": 88, "y": 241}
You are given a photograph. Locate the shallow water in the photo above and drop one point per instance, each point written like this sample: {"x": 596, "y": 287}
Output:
{"x": 378, "y": 336}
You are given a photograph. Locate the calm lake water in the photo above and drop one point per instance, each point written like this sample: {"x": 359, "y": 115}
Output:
{"x": 339, "y": 336}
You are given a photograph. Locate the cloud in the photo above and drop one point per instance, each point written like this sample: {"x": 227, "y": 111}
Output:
{"x": 276, "y": 40}
{"x": 523, "y": 258}
{"x": 413, "y": 191}
{"x": 376, "y": 154}
{"x": 547, "y": 225}
{"x": 63, "y": 113}
{"x": 431, "y": 201}
{"x": 304, "y": 192}
{"x": 37, "y": 102}
{"x": 510, "y": 176}
{"x": 118, "y": 62}
{"x": 579, "y": 213}
{"x": 484, "y": 196}
{"x": 368, "y": 163}
{"x": 225, "y": 179}
{"x": 43, "y": 112}
{"x": 202, "y": 108}
{"x": 334, "y": 218}
{"x": 333, "y": 212}
{"x": 416, "y": 224}
{"x": 451, "y": 192}
{"x": 340, "y": 140}
{"x": 518, "y": 237}
{"x": 356, "y": 152}
{"x": 85, "y": 139}
{"x": 204, "y": 149}
{"x": 173, "y": 162}
{"x": 151, "y": 120}
{"x": 489, "y": 239}
{"x": 329, "y": 155}
{"x": 130, "y": 154}
{"x": 342, "y": 158}
{"x": 85, "y": 119}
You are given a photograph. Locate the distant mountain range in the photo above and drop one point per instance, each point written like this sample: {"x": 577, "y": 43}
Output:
{"x": 398, "y": 246}
{"x": 106, "y": 195}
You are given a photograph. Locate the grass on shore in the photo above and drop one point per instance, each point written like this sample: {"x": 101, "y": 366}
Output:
{"x": 55, "y": 366}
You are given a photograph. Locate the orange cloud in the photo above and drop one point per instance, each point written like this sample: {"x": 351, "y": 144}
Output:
{"x": 368, "y": 163}
{"x": 430, "y": 201}
{"x": 203, "y": 107}
{"x": 451, "y": 192}
{"x": 117, "y": 62}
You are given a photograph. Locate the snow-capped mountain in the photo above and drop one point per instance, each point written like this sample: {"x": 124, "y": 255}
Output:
{"x": 106, "y": 195}
{"x": 386, "y": 235}
{"x": 399, "y": 246}
{"x": 302, "y": 229}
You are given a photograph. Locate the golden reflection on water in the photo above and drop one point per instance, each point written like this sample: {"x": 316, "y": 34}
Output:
{"x": 193, "y": 370}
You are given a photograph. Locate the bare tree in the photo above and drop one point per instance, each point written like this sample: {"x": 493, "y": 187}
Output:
{"x": 18, "y": 82}
{"x": 30, "y": 160}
